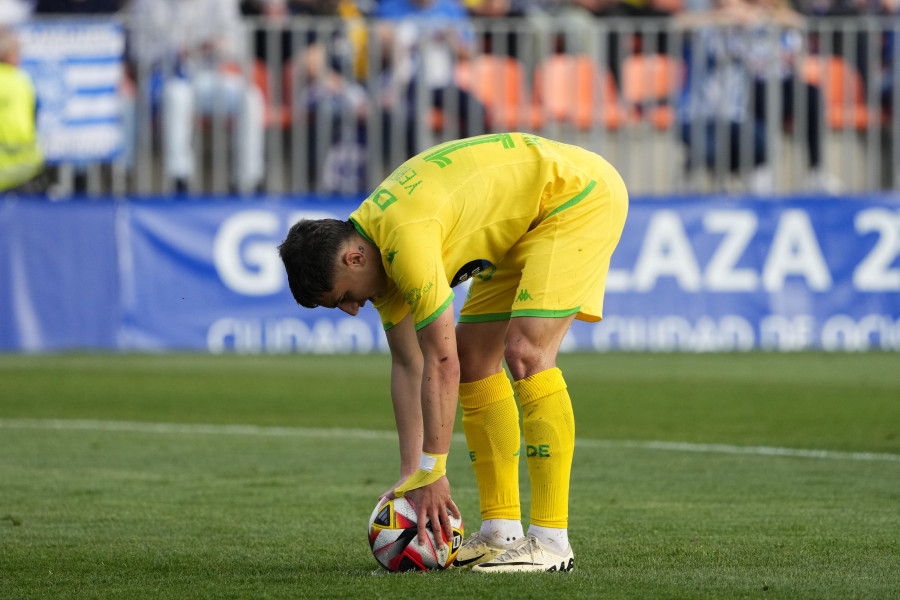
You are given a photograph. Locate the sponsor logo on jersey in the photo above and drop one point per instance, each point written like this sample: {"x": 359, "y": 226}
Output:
{"x": 480, "y": 268}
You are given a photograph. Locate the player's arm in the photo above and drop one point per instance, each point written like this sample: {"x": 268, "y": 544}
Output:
{"x": 406, "y": 383}
{"x": 440, "y": 381}
{"x": 440, "y": 387}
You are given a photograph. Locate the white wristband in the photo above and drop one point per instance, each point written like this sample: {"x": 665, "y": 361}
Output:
{"x": 427, "y": 462}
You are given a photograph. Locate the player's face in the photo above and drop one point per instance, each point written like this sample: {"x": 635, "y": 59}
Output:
{"x": 354, "y": 284}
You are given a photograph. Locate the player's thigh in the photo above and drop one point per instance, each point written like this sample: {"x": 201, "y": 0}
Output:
{"x": 565, "y": 259}
{"x": 480, "y": 346}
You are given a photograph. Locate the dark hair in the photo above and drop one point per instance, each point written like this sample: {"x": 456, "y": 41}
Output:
{"x": 309, "y": 254}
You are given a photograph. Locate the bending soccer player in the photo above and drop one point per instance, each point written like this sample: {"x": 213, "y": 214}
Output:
{"x": 532, "y": 224}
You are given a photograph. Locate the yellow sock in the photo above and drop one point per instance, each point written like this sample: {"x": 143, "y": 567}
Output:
{"x": 491, "y": 423}
{"x": 549, "y": 426}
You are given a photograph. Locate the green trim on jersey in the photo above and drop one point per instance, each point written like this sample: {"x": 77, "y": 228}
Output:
{"x": 439, "y": 156}
{"x": 504, "y": 316}
{"x": 387, "y": 326}
{"x": 550, "y": 314}
{"x": 436, "y": 313}
{"x": 573, "y": 201}
{"x": 362, "y": 232}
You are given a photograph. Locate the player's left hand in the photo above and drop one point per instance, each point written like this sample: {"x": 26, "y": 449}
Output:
{"x": 433, "y": 503}
{"x": 390, "y": 493}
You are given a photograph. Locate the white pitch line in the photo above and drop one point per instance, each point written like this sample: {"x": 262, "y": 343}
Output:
{"x": 370, "y": 434}
{"x": 747, "y": 450}
{"x": 194, "y": 429}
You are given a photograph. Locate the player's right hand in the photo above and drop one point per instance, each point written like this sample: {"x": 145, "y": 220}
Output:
{"x": 433, "y": 503}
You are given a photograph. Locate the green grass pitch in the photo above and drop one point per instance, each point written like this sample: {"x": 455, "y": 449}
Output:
{"x": 696, "y": 476}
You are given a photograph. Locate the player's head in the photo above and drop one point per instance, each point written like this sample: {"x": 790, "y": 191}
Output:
{"x": 309, "y": 253}
{"x": 9, "y": 46}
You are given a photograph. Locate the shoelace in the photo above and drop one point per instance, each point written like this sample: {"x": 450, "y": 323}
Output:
{"x": 512, "y": 553}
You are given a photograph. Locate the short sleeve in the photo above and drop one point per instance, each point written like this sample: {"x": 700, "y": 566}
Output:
{"x": 417, "y": 269}
{"x": 392, "y": 308}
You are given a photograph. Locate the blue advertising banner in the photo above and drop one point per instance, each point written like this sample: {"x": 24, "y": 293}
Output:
{"x": 59, "y": 285}
{"x": 77, "y": 66}
{"x": 690, "y": 274}
{"x": 724, "y": 274}
{"x": 207, "y": 275}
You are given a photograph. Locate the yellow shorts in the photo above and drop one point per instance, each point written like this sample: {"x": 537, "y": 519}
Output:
{"x": 559, "y": 267}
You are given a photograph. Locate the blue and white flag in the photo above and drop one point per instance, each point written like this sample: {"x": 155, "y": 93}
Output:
{"x": 77, "y": 69}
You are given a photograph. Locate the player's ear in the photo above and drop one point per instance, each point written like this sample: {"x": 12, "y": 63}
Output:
{"x": 354, "y": 257}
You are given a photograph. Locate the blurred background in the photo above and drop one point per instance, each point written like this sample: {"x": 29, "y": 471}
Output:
{"x": 153, "y": 153}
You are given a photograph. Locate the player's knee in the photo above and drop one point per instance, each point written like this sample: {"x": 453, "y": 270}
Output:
{"x": 523, "y": 358}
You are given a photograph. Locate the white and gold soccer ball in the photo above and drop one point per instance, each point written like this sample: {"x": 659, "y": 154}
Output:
{"x": 393, "y": 537}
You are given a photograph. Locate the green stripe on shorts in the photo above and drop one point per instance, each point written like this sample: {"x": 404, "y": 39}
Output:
{"x": 504, "y": 316}
{"x": 550, "y": 314}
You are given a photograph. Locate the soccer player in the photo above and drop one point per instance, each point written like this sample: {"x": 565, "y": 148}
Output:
{"x": 531, "y": 223}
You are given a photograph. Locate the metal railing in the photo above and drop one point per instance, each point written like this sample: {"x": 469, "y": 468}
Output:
{"x": 675, "y": 109}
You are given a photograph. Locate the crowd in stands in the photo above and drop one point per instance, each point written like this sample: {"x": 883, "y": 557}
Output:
{"x": 191, "y": 57}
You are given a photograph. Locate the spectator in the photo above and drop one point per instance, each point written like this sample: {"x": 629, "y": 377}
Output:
{"x": 20, "y": 156}
{"x": 335, "y": 106}
{"x": 424, "y": 39}
{"x": 270, "y": 24}
{"x": 842, "y": 41}
{"x": 648, "y": 38}
{"x": 854, "y": 41}
{"x": 323, "y": 89}
{"x": 512, "y": 43}
{"x": 728, "y": 81}
{"x": 352, "y": 35}
{"x": 194, "y": 50}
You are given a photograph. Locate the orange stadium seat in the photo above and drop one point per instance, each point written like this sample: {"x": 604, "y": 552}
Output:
{"x": 649, "y": 84}
{"x": 574, "y": 89}
{"x": 499, "y": 84}
{"x": 842, "y": 90}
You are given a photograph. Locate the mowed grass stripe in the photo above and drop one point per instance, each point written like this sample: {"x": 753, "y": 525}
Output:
{"x": 369, "y": 434}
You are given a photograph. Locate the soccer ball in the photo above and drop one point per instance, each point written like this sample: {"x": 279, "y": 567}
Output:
{"x": 394, "y": 538}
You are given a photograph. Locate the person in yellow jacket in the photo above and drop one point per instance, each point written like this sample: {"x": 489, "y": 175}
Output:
{"x": 531, "y": 223}
{"x": 20, "y": 156}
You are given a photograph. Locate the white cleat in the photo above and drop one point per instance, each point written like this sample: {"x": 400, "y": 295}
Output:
{"x": 527, "y": 556}
{"x": 478, "y": 549}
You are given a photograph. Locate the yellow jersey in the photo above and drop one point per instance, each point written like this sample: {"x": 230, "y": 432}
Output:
{"x": 454, "y": 211}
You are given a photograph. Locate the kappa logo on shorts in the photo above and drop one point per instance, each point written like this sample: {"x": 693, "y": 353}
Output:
{"x": 523, "y": 296}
